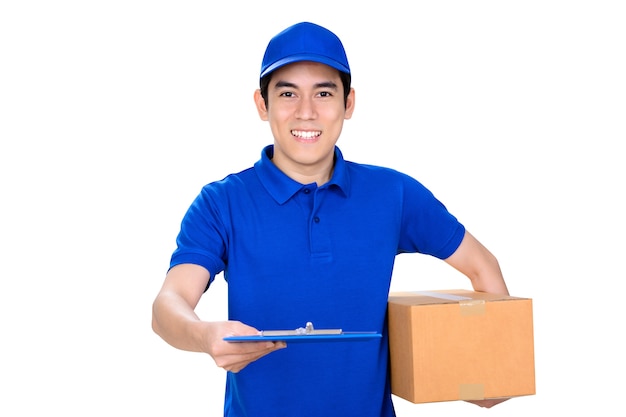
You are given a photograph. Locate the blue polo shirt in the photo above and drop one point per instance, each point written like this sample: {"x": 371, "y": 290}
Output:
{"x": 293, "y": 253}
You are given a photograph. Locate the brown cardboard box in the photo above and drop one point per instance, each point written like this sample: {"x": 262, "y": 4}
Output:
{"x": 451, "y": 345}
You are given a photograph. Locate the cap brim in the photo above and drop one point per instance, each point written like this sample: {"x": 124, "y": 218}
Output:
{"x": 305, "y": 57}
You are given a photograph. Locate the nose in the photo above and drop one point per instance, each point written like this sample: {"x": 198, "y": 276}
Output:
{"x": 306, "y": 109}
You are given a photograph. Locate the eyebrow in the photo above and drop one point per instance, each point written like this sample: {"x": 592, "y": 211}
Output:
{"x": 325, "y": 84}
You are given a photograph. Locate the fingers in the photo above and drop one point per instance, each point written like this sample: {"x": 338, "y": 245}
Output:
{"x": 236, "y": 356}
{"x": 487, "y": 403}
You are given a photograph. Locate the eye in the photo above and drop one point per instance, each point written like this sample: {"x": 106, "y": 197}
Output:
{"x": 286, "y": 94}
{"x": 325, "y": 94}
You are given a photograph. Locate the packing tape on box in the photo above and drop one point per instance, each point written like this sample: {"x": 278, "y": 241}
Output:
{"x": 469, "y": 306}
{"x": 442, "y": 296}
{"x": 471, "y": 392}
{"x": 472, "y": 307}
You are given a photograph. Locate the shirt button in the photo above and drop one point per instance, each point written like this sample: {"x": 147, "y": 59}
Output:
{"x": 307, "y": 191}
{"x": 316, "y": 219}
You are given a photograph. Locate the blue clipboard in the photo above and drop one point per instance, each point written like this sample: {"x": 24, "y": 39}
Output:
{"x": 300, "y": 338}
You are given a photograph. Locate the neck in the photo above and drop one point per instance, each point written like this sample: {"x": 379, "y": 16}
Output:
{"x": 307, "y": 174}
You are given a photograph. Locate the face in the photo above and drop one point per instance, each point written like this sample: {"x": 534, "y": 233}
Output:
{"x": 306, "y": 111}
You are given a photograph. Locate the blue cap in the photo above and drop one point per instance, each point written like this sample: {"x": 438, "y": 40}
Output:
{"x": 304, "y": 42}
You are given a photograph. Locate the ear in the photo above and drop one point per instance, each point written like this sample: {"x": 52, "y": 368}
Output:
{"x": 260, "y": 105}
{"x": 349, "y": 104}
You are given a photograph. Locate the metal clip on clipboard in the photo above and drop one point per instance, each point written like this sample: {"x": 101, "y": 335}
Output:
{"x": 300, "y": 331}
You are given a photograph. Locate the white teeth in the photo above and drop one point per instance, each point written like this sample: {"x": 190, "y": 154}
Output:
{"x": 305, "y": 134}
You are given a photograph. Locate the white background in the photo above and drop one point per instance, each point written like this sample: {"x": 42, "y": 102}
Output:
{"x": 114, "y": 114}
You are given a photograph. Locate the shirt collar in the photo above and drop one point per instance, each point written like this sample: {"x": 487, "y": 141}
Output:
{"x": 282, "y": 188}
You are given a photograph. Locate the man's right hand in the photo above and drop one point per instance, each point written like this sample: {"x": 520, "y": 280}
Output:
{"x": 234, "y": 356}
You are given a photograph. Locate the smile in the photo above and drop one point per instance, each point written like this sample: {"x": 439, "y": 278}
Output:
{"x": 306, "y": 134}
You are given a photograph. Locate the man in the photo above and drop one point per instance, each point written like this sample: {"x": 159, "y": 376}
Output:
{"x": 306, "y": 236}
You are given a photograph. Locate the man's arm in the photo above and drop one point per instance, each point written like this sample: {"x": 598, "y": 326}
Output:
{"x": 475, "y": 261}
{"x": 175, "y": 321}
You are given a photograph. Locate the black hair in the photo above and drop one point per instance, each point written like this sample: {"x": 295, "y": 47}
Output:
{"x": 346, "y": 79}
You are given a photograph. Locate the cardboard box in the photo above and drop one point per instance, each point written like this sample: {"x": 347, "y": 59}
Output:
{"x": 451, "y": 345}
